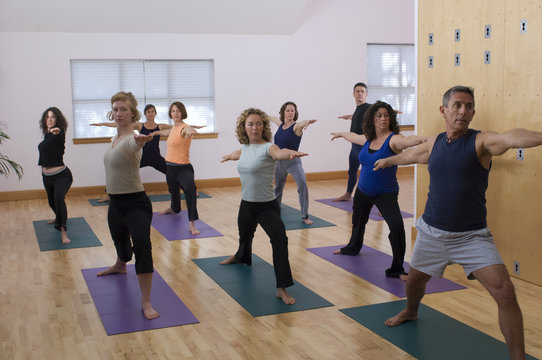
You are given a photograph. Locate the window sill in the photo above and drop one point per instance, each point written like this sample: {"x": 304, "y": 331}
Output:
{"x": 108, "y": 139}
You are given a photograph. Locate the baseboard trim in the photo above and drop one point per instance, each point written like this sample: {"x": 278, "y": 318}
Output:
{"x": 162, "y": 186}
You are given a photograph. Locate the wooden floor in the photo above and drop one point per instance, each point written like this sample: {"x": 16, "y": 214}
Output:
{"x": 46, "y": 311}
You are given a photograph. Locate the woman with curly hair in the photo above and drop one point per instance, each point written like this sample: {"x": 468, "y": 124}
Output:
{"x": 57, "y": 178}
{"x": 257, "y": 158}
{"x": 381, "y": 139}
{"x": 288, "y": 136}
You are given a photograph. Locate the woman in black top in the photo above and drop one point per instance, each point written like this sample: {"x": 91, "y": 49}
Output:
{"x": 57, "y": 178}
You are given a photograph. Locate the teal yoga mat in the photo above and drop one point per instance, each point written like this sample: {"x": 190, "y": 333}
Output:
{"x": 79, "y": 233}
{"x": 153, "y": 198}
{"x": 433, "y": 336}
{"x": 254, "y": 287}
{"x": 291, "y": 218}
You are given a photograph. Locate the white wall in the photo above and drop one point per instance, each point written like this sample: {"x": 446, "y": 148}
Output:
{"x": 316, "y": 67}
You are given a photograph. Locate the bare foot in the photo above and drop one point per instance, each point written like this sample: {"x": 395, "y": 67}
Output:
{"x": 403, "y": 277}
{"x": 345, "y": 197}
{"x": 115, "y": 269}
{"x": 193, "y": 229}
{"x": 167, "y": 211}
{"x": 400, "y": 318}
{"x": 50, "y": 222}
{"x": 337, "y": 252}
{"x": 104, "y": 199}
{"x": 64, "y": 236}
{"x": 148, "y": 312}
{"x": 230, "y": 260}
{"x": 286, "y": 298}
{"x": 307, "y": 221}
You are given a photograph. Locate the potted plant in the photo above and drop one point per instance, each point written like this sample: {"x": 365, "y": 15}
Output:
{"x": 7, "y": 165}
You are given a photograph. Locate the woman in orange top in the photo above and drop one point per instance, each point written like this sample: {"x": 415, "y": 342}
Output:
{"x": 180, "y": 173}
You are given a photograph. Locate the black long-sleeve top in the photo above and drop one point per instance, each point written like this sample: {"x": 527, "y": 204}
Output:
{"x": 52, "y": 149}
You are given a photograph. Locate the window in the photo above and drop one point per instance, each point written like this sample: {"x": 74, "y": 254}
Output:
{"x": 157, "y": 82}
{"x": 391, "y": 78}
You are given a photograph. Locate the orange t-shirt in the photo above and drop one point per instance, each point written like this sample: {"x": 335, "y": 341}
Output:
{"x": 178, "y": 147}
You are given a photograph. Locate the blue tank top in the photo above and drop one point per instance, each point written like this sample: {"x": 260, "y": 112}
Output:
{"x": 152, "y": 147}
{"x": 457, "y": 185}
{"x": 287, "y": 139}
{"x": 383, "y": 181}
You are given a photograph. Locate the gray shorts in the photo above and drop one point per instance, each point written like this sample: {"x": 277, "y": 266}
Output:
{"x": 435, "y": 249}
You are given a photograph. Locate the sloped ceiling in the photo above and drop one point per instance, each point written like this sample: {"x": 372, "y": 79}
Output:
{"x": 279, "y": 17}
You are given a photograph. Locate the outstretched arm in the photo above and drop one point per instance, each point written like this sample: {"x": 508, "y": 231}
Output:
{"x": 418, "y": 155}
{"x": 233, "y": 156}
{"x": 345, "y": 117}
{"x": 496, "y": 144}
{"x": 284, "y": 154}
{"x": 399, "y": 142}
{"x": 350, "y": 136}
{"x": 188, "y": 131}
{"x": 162, "y": 132}
{"x": 275, "y": 120}
{"x": 109, "y": 124}
{"x": 302, "y": 125}
{"x": 142, "y": 139}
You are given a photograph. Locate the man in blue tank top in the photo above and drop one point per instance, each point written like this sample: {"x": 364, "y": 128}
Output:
{"x": 453, "y": 229}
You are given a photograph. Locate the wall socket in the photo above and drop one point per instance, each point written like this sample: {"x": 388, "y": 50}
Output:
{"x": 516, "y": 267}
{"x": 520, "y": 154}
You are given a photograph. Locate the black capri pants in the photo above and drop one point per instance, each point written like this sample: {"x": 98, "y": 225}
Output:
{"x": 267, "y": 214}
{"x": 182, "y": 177}
{"x": 130, "y": 215}
{"x": 57, "y": 187}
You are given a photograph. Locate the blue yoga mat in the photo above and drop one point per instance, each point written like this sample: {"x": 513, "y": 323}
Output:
{"x": 291, "y": 218}
{"x": 153, "y": 198}
{"x": 433, "y": 336}
{"x": 254, "y": 287}
{"x": 79, "y": 233}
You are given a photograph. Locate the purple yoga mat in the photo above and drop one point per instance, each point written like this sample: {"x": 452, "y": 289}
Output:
{"x": 370, "y": 264}
{"x": 175, "y": 227}
{"x": 347, "y": 206}
{"x": 118, "y": 300}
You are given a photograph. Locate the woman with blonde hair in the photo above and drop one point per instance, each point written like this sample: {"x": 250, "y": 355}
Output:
{"x": 130, "y": 211}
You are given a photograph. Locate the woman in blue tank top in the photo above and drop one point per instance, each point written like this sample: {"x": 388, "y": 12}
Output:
{"x": 381, "y": 139}
{"x": 288, "y": 136}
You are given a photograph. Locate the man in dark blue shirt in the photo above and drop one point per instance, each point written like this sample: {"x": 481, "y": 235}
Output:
{"x": 454, "y": 218}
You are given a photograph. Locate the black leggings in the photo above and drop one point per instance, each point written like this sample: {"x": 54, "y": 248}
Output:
{"x": 389, "y": 208}
{"x": 56, "y": 187}
{"x": 182, "y": 177}
{"x": 156, "y": 161}
{"x": 267, "y": 214}
{"x": 131, "y": 215}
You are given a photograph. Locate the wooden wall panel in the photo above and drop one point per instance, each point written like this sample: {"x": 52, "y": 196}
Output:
{"x": 507, "y": 93}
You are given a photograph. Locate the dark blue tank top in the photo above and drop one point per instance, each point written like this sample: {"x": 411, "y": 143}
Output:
{"x": 152, "y": 147}
{"x": 457, "y": 185}
{"x": 287, "y": 139}
{"x": 383, "y": 181}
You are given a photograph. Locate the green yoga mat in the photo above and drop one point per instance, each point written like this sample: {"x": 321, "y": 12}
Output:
{"x": 292, "y": 219}
{"x": 152, "y": 198}
{"x": 433, "y": 336}
{"x": 79, "y": 233}
{"x": 254, "y": 287}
